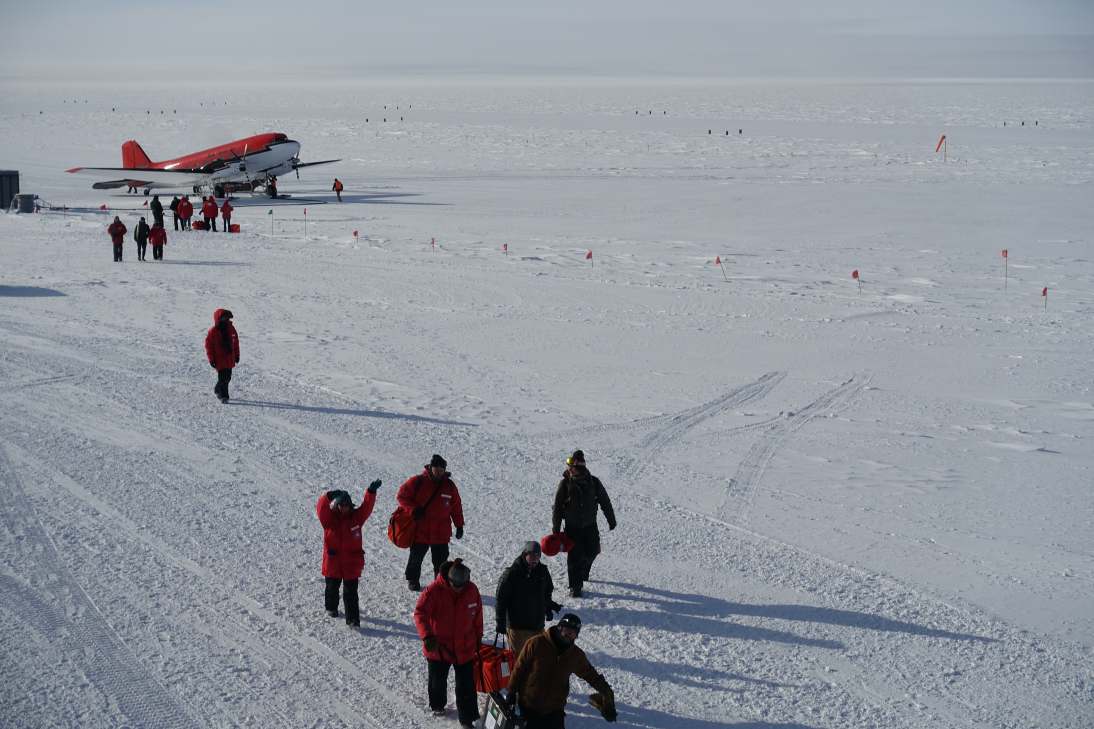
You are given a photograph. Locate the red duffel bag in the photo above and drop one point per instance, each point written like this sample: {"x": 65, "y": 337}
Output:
{"x": 400, "y": 528}
{"x": 493, "y": 665}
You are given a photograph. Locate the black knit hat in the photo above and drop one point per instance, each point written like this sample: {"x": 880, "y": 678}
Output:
{"x": 437, "y": 461}
{"x": 531, "y": 548}
{"x": 458, "y": 573}
{"x": 577, "y": 458}
{"x": 569, "y": 620}
{"x": 341, "y": 498}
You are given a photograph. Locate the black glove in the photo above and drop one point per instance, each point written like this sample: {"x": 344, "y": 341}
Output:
{"x": 555, "y": 606}
{"x": 213, "y": 365}
{"x": 611, "y": 526}
{"x": 459, "y": 532}
{"x": 418, "y": 513}
{"x": 430, "y": 643}
{"x": 605, "y": 704}
{"x": 374, "y": 486}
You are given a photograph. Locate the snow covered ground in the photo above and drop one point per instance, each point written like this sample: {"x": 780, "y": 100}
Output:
{"x": 838, "y": 508}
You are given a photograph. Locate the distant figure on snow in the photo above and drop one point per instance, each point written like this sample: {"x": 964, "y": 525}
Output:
{"x": 343, "y": 553}
{"x": 222, "y": 349}
{"x": 337, "y": 187}
{"x": 433, "y": 500}
{"x": 140, "y": 234}
{"x": 271, "y": 187}
{"x": 576, "y": 500}
{"x": 157, "y": 237}
{"x": 117, "y": 231}
{"x": 157, "y": 210}
{"x": 175, "y": 211}
{"x": 226, "y": 215}
{"x": 449, "y": 621}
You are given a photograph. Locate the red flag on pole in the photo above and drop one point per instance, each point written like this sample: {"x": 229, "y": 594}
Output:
{"x": 1044, "y": 292}
{"x": 355, "y": 234}
{"x": 940, "y": 141}
{"x": 102, "y": 207}
{"x": 854, "y": 274}
{"x": 588, "y": 255}
{"x": 145, "y": 203}
{"x": 718, "y": 260}
{"x": 505, "y": 248}
{"x": 1004, "y": 253}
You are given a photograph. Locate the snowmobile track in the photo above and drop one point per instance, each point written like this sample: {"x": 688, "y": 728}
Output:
{"x": 742, "y": 487}
{"x": 682, "y": 422}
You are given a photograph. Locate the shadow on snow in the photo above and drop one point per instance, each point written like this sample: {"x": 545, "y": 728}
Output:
{"x": 28, "y": 291}
{"x": 347, "y": 411}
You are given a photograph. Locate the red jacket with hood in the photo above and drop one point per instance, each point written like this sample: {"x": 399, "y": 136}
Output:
{"x": 222, "y": 354}
{"x": 446, "y": 509}
{"x": 117, "y": 231}
{"x": 226, "y": 210}
{"x": 185, "y": 209}
{"x": 208, "y": 208}
{"x": 453, "y": 618}
{"x": 343, "y": 553}
{"x": 157, "y": 236}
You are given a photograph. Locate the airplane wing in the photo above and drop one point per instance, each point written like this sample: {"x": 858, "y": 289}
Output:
{"x": 299, "y": 165}
{"x": 142, "y": 177}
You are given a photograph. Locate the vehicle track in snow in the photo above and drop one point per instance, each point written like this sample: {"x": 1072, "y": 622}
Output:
{"x": 66, "y": 616}
{"x": 742, "y": 486}
{"x": 679, "y": 424}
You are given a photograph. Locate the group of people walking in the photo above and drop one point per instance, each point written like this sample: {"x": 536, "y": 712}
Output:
{"x": 182, "y": 210}
{"x": 448, "y": 614}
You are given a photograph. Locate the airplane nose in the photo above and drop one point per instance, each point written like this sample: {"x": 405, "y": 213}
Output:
{"x": 294, "y": 146}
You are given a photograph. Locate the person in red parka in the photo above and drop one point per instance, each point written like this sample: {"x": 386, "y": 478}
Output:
{"x": 434, "y": 501}
{"x": 222, "y": 349}
{"x": 186, "y": 211}
{"x": 209, "y": 213}
{"x": 226, "y": 213}
{"x": 158, "y": 237}
{"x": 343, "y": 554}
{"x": 449, "y": 621}
{"x": 117, "y": 231}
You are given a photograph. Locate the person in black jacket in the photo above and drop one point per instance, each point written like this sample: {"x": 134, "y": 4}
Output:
{"x": 157, "y": 210}
{"x": 175, "y": 210}
{"x": 523, "y": 601}
{"x": 578, "y": 495}
{"x": 140, "y": 234}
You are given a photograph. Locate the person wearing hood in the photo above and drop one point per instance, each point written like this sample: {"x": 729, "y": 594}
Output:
{"x": 186, "y": 210}
{"x": 540, "y": 682}
{"x": 226, "y": 215}
{"x": 140, "y": 234}
{"x": 576, "y": 500}
{"x": 117, "y": 231}
{"x": 432, "y": 498}
{"x": 448, "y": 616}
{"x": 343, "y": 551}
{"x": 523, "y": 601}
{"x": 222, "y": 349}
{"x": 209, "y": 213}
{"x": 157, "y": 210}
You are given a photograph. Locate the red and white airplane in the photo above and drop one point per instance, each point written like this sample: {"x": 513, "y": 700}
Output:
{"x": 245, "y": 164}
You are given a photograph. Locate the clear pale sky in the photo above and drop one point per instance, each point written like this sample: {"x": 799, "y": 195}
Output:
{"x": 732, "y": 38}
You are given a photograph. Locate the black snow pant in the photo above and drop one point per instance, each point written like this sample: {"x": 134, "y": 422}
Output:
{"x": 417, "y": 556}
{"x": 141, "y": 248}
{"x": 157, "y": 220}
{"x": 579, "y": 560}
{"x": 349, "y": 596}
{"x": 467, "y": 701}
{"x": 552, "y": 720}
{"x": 157, "y": 252}
{"x": 226, "y": 223}
{"x": 224, "y": 376}
{"x": 176, "y": 217}
{"x": 117, "y": 252}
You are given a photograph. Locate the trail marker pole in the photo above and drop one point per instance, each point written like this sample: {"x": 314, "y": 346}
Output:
{"x": 305, "y": 225}
{"x": 589, "y": 258}
{"x": 1044, "y": 295}
{"x": 433, "y": 243}
{"x": 355, "y": 237}
{"x": 505, "y": 248}
{"x": 942, "y": 145}
{"x": 718, "y": 260}
{"x": 854, "y": 275}
{"x": 269, "y": 213}
{"x": 1005, "y": 257}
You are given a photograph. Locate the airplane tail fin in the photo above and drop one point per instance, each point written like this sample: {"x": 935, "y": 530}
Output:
{"x": 133, "y": 156}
